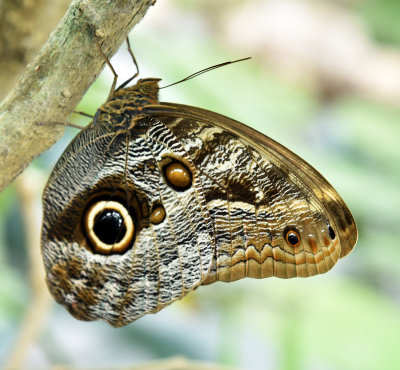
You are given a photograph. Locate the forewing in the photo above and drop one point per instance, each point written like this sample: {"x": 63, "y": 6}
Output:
{"x": 167, "y": 258}
{"x": 260, "y": 195}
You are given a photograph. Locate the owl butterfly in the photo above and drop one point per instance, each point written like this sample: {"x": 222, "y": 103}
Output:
{"x": 153, "y": 199}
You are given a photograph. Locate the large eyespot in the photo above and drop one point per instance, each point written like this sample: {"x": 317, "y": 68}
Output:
{"x": 292, "y": 237}
{"x": 178, "y": 175}
{"x": 109, "y": 227}
{"x": 157, "y": 215}
{"x": 331, "y": 232}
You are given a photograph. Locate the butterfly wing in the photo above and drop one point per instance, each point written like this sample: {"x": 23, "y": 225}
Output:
{"x": 272, "y": 213}
{"x": 163, "y": 251}
{"x": 201, "y": 198}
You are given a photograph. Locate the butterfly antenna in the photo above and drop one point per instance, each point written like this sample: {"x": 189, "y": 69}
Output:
{"x": 205, "y": 70}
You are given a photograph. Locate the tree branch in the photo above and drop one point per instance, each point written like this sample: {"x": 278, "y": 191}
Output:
{"x": 59, "y": 76}
{"x": 24, "y": 27}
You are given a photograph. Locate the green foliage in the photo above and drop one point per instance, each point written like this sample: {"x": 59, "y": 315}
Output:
{"x": 347, "y": 319}
{"x": 383, "y": 18}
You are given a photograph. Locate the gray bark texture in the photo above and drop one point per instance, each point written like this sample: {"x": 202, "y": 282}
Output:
{"x": 57, "y": 78}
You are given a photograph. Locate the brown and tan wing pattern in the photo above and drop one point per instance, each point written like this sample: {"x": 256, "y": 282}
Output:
{"x": 272, "y": 213}
{"x": 152, "y": 200}
{"x": 167, "y": 247}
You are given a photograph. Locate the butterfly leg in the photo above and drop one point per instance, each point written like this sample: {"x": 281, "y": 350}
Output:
{"x": 97, "y": 37}
{"x": 133, "y": 59}
{"x": 134, "y": 62}
{"x": 58, "y": 123}
{"x": 83, "y": 113}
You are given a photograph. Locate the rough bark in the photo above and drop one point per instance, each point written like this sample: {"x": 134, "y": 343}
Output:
{"x": 58, "y": 77}
{"x": 24, "y": 27}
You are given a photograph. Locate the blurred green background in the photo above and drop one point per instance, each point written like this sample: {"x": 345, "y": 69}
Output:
{"x": 324, "y": 80}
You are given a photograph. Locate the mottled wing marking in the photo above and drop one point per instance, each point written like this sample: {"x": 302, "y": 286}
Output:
{"x": 166, "y": 261}
{"x": 153, "y": 199}
{"x": 252, "y": 197}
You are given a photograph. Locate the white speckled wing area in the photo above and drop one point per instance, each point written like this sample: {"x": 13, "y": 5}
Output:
{"x": 154, "y": 199}
{"x": 165, "y": 262}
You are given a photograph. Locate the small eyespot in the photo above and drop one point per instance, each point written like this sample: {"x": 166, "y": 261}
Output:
{"x": 292, "y": 237}
{"x": 178, "y": 176}
{"x": 109, "y": 227}
{"x": 157, "y": 215}
{"x": 331, "y": 232}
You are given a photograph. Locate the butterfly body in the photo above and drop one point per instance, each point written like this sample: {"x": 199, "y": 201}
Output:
{"x": 154, "y": 199}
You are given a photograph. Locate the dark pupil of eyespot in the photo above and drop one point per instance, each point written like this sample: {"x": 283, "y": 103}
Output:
{"x": 331, "y": 232}
{"x": 292, "y": 238}
{"x": 109, "y": 227}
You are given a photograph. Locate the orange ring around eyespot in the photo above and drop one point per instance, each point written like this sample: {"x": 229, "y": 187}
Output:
{"x": 290, "y": 231}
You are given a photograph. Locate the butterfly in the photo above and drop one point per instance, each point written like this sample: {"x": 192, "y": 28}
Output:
{"x": 154, "y": 199}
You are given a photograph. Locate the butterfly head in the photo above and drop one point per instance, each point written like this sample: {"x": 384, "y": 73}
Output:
{"x": 145, "y": 89}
